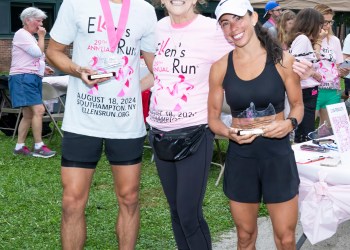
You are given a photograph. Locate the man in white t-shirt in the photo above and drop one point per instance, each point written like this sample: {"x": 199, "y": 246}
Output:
{"x": 107, "y": 37}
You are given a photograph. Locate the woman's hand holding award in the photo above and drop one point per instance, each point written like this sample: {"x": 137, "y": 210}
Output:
{"x": 252, "y": 121}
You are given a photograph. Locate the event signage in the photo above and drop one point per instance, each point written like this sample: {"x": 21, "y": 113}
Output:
{"x": 340, "y": 122}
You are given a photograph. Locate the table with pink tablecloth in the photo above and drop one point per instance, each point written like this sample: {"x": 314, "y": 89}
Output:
{"x": 324, "y": 194}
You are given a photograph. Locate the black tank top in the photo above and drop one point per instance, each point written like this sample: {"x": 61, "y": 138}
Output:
{"x": 267, "y": 88}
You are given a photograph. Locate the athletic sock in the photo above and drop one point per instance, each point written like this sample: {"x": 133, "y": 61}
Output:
{"x": 38, "y": 145}
{"x": 19, "y": 146}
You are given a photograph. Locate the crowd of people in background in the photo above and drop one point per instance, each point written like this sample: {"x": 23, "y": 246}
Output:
{"x": 309, "y": 35}
{"x": 287, "y": 70}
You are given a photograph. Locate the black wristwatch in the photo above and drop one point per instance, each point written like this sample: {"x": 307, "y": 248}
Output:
{"x": 294, "y": 122}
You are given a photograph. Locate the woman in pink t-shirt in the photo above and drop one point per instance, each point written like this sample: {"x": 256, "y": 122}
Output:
{"x": 25, "y": 81}
{"x": 330, "y": 56}
{"x": 187, "y": 45}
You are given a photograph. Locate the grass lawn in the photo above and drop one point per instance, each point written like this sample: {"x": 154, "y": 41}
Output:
{"x": 30, "y": 203}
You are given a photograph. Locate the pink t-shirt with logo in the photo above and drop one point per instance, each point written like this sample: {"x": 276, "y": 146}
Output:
{"x": 331, "y": 55}
{"x": 181, "y": 69}
{"x": 26, "y": 55}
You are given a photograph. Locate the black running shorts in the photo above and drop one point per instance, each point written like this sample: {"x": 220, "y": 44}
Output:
{"x": 85, "y": 151}
{"x": 264, "y": 170}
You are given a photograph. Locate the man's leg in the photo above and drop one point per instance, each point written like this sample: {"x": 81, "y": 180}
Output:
{"x": 24, "y": 125}
{"x": 37, "y": 121}
{"x": 127, "y": 184}
{"x": 76, "y": 186}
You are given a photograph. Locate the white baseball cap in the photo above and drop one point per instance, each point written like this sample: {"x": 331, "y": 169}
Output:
{"x": 234, "y": 7}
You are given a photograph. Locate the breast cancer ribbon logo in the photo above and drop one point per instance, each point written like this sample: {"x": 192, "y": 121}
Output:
{"x": 324, "y": 70}
{"x": 94, "y": 64}
{"x": 123, "y": 74}
{"x": 158, "y": 87}
{"x": 178, "y": 90}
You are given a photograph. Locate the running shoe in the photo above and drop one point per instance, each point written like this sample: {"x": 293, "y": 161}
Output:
{"x": 43, "y": 152}
{"x": 23, "y": 151}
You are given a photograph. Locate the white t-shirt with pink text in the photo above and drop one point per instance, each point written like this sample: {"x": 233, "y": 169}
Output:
{"x": 27, "y": 57}
{"x": 113, "y": 109}
{"x": 181, "y": 70}
{"x": 331, "y": 55}
{"x": 301, "y": 48}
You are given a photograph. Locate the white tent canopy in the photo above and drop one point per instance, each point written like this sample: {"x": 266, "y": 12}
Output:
{"x": 336, "y": 5}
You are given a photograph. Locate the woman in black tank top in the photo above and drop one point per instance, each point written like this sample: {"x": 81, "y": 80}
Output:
{"x": 259, "y": 167}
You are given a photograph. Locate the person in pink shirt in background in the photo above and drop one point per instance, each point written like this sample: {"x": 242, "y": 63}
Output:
{"x": 25, "y": 81}
{"x": 331, "y": 56}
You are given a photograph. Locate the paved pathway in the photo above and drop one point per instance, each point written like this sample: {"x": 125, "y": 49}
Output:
{"x": 339, "y": 241}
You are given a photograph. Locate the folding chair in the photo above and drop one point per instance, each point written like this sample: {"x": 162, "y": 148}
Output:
{"x": 50, "y": 93}
{"x": 6, "y": 110}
